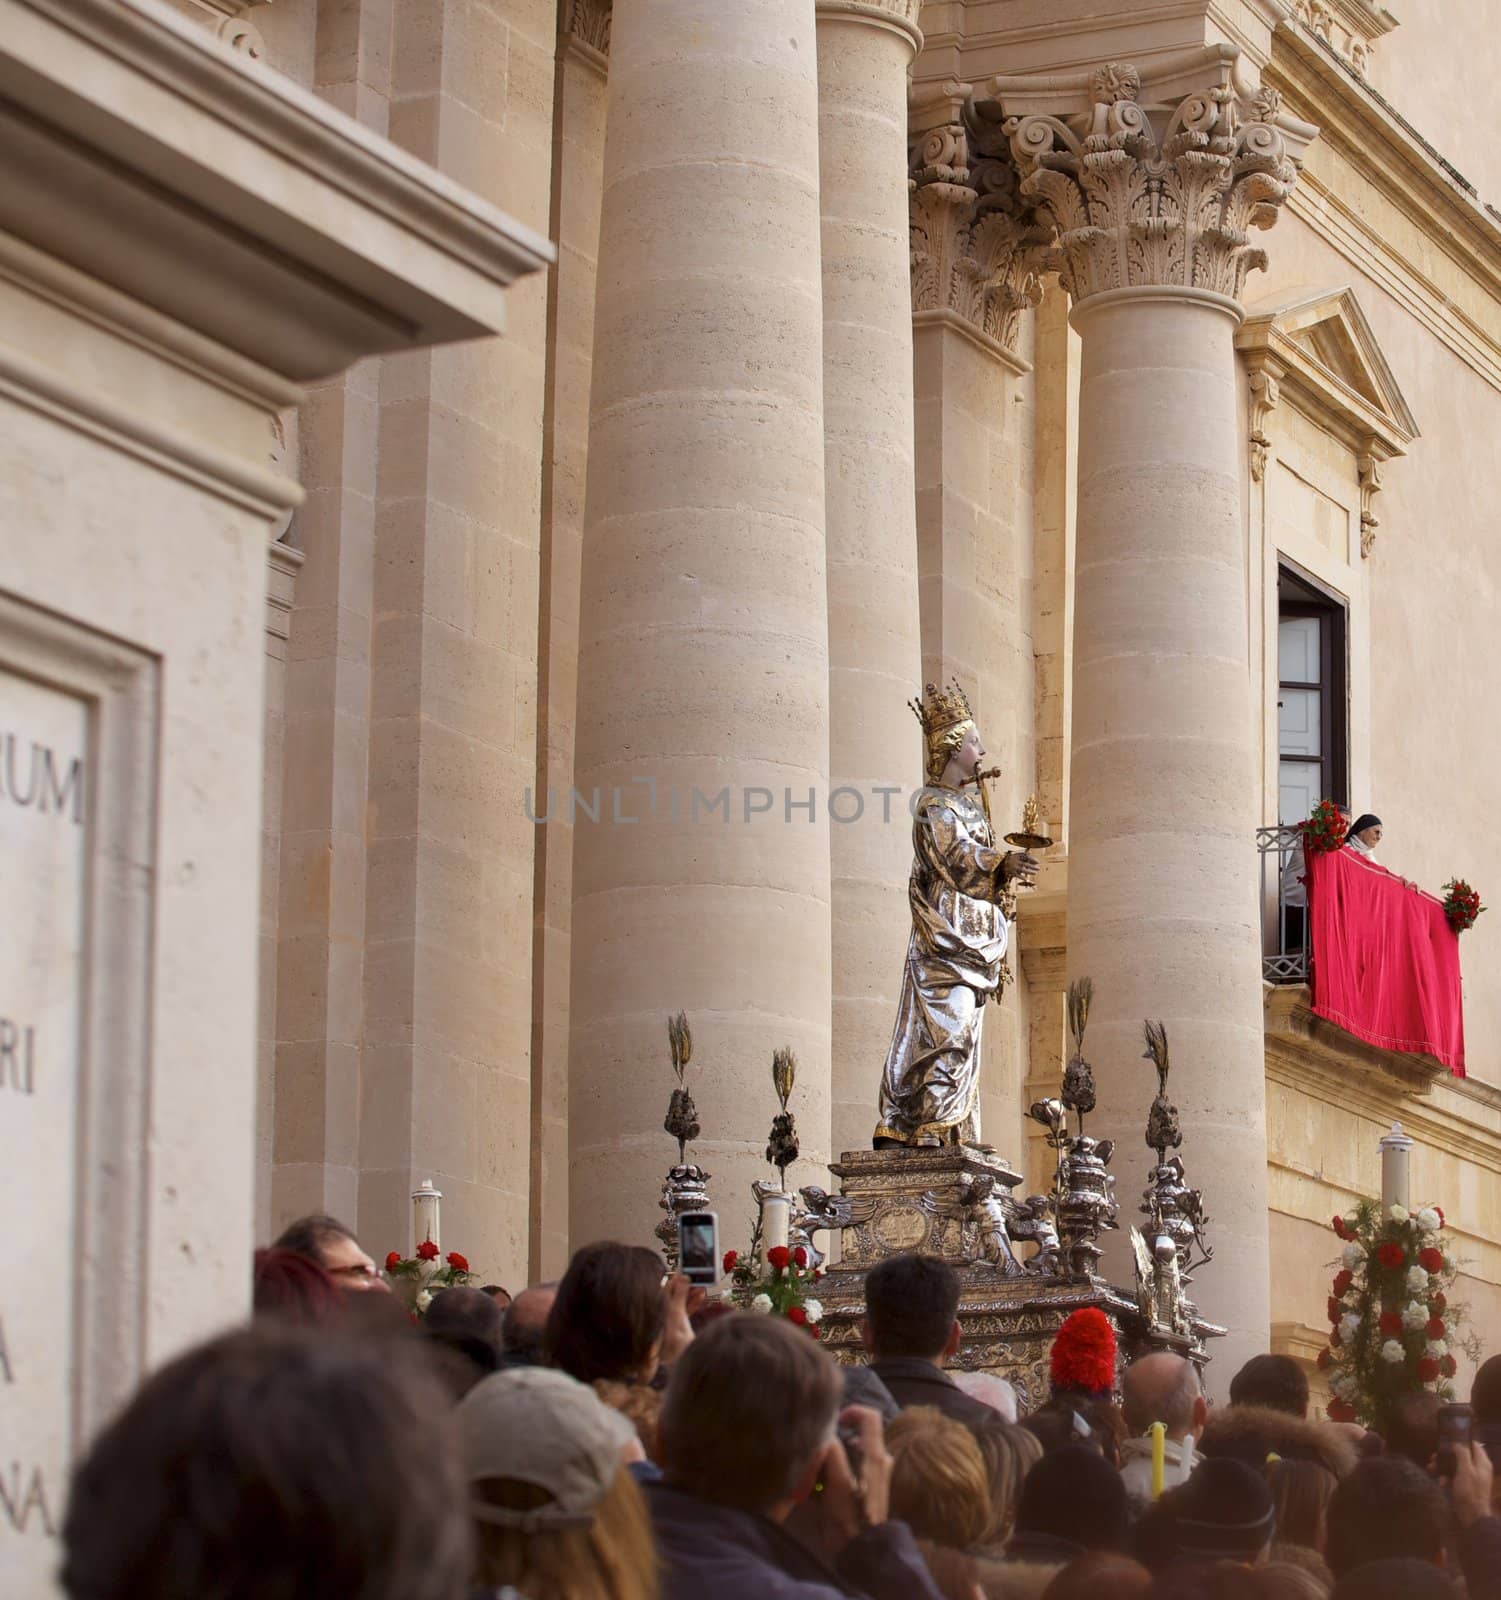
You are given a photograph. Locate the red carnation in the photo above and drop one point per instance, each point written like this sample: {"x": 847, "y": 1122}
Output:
{"x": 427, "y": 1251}
{"x": 1431, "y": 1260}
{"x": 1341, "y": 1411}
{"x": 1436, "y": 1303}
{"x": 1340, "y": 1228}
{"x": 1334, "y": 1339}
{"x": 1441, "y": 1221}
{"x": 1342, "y": 1281}
{"x": 1083, "y": 1355}
{"x": 457, "y": 1262}
{"x": 1435, "y": 1328}
{"x": 817, "y": 1275}
{"x": 1448, "y": 1366}
{"x": 778, "y": 1256}
{"x": 800, "y": 1257}
{"x": 1390, "y": 1256}
{"x": 1324, "y": 1361}
{"x": 813, "y": 1328}
{"x": 1336, "y": 1310}
{"x": 798, "y": 1315}
{"x": 1391, "y": 1324}
{"x": 730, "y": 1258}
{"x": 393, "y": 1261}
{"x": 1427, "y": 1370}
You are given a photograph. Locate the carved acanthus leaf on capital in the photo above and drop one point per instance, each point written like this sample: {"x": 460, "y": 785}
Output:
{"x": 977, "y": 249}
{"x": 588, "y": 21}
{"x": 1160, "y": 194}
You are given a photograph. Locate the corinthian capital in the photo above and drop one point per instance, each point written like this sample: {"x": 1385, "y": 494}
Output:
{"x": 977, "y": 247}
{"x": 1154, "y": 181}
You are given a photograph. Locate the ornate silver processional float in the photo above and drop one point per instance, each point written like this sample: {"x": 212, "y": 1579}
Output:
{"x": 930, "y": 1184}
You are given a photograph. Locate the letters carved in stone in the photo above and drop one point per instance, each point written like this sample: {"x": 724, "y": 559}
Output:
{"x": 1154, "y": 195}
{"x": 977, "y": 247}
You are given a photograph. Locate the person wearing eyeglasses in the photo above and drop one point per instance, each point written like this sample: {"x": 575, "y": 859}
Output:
{"x": 328, "y": 1242}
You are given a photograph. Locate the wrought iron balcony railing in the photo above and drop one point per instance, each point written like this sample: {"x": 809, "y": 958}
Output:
{"x": 1284, "y": 906}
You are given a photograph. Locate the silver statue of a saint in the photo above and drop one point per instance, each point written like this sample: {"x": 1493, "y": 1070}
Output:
{"x": 930, "y": 1090}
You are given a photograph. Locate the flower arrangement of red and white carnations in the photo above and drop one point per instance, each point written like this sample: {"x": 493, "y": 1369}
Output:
{"x": 1394, "y": 1327}
{"x": 1325, "y": 828}
{"x": 782, "y": 1290}
{"x": 1461, "y": 904}
{"x": 419, "y": 1277}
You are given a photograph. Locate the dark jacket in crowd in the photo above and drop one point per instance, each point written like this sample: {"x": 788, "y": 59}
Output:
{"x": 708, "y": 1549}
{"x": 1479, "y": 1549}
{"x": 914, "y": 1382}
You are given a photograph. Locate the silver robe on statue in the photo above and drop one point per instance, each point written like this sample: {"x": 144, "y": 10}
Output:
{"x": 930, "y": 1088}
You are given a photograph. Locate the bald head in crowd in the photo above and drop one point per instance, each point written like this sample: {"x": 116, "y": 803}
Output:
{"x": 1164, "y": 1388}
{"x": 525, "y": 1324}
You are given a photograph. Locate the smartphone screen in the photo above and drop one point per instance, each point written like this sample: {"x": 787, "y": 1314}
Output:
{"x": 696, "y": 1245}
{"x": 1455, "y": 1424}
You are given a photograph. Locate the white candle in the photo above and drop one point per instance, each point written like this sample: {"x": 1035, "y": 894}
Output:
{"x": 425, "y": 1214}
{"x": 1395, "y": 1149}
{"x": 776, "y": 1210}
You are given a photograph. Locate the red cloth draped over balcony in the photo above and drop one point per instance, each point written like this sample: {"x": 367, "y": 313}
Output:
{"x": 1385, "y": 962}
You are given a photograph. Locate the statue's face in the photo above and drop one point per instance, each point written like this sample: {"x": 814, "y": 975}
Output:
{"x": 972, "y": 751}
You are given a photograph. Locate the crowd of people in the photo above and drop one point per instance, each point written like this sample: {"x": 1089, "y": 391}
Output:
{"x": 612, "y": 1436}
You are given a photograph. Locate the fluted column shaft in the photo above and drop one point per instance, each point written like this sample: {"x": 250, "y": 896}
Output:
{"x": 1152, "y": 196}
{"x": 703, "y": 662}
{"x": 864, "y": 50}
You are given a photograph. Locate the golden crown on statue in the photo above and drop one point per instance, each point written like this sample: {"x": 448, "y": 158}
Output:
{"x": 941, "y": 709}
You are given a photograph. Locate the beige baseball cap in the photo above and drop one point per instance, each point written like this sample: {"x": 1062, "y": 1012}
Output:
{"x": 543, "y": 1428}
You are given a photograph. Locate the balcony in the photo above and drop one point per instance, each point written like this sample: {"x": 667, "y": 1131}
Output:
{"x": 1284, "y": 906}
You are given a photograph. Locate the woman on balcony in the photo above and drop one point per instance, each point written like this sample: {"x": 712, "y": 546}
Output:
{"x": 1364, "y": 834}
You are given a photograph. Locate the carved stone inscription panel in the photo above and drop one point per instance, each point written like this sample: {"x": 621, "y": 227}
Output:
{"x": 43, "y": 848}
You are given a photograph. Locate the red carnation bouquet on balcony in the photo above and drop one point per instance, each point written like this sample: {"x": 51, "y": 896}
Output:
{"x": 1394, "y": 1328}
{"x": 416, "y": 1279}
{"x": 1461, "y": 904}
{"x": 1325, "y": 828}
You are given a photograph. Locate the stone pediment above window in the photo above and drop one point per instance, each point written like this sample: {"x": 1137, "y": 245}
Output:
{"x": 1316, "y": 352}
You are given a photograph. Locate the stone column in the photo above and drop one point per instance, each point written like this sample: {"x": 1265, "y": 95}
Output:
{"x": 864, "y": 50}
{"x": 703, "y": 652}
{"x": 1152, "y": 190}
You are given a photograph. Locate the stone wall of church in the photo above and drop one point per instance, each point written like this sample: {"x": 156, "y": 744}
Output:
{"x": 403, "y": 917}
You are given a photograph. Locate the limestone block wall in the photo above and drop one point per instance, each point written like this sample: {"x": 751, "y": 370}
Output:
{"x": 579, "y": 133}
{"x": 1428, "y": 281}
{"x": 405, "y": 972}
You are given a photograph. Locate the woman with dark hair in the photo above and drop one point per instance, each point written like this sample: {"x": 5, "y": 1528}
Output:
{"x": 614, "y": 1316}
{"x": 274, "y": 1461}
{"x": 295, "y": 1288}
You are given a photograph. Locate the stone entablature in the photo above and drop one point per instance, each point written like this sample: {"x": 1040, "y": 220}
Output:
{"x": 1151, "y": 179}
{"x": 1349, "y": 27}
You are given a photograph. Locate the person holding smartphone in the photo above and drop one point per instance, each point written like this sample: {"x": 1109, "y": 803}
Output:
{"x": 760, "y": 1498}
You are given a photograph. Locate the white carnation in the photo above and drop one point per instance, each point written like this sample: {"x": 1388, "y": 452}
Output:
{"x": 1392, "y": 1351}
{"x": 424, "y": 1299}
{"x": 814, "y": 1310}
{"x": 1428, "y": 1220}
{"x": 1352, "y": 1256}
{"x": 1417, "y": 1281}
{"x": 1349, "y": 1326}
{"x": 1437, "y": 1349}
{"x": 761, "y": 1303}
{"x": 1399, "y": 1213}
{"x": 1343, "y": 1386}
{"x": 1415, "y": 1316}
